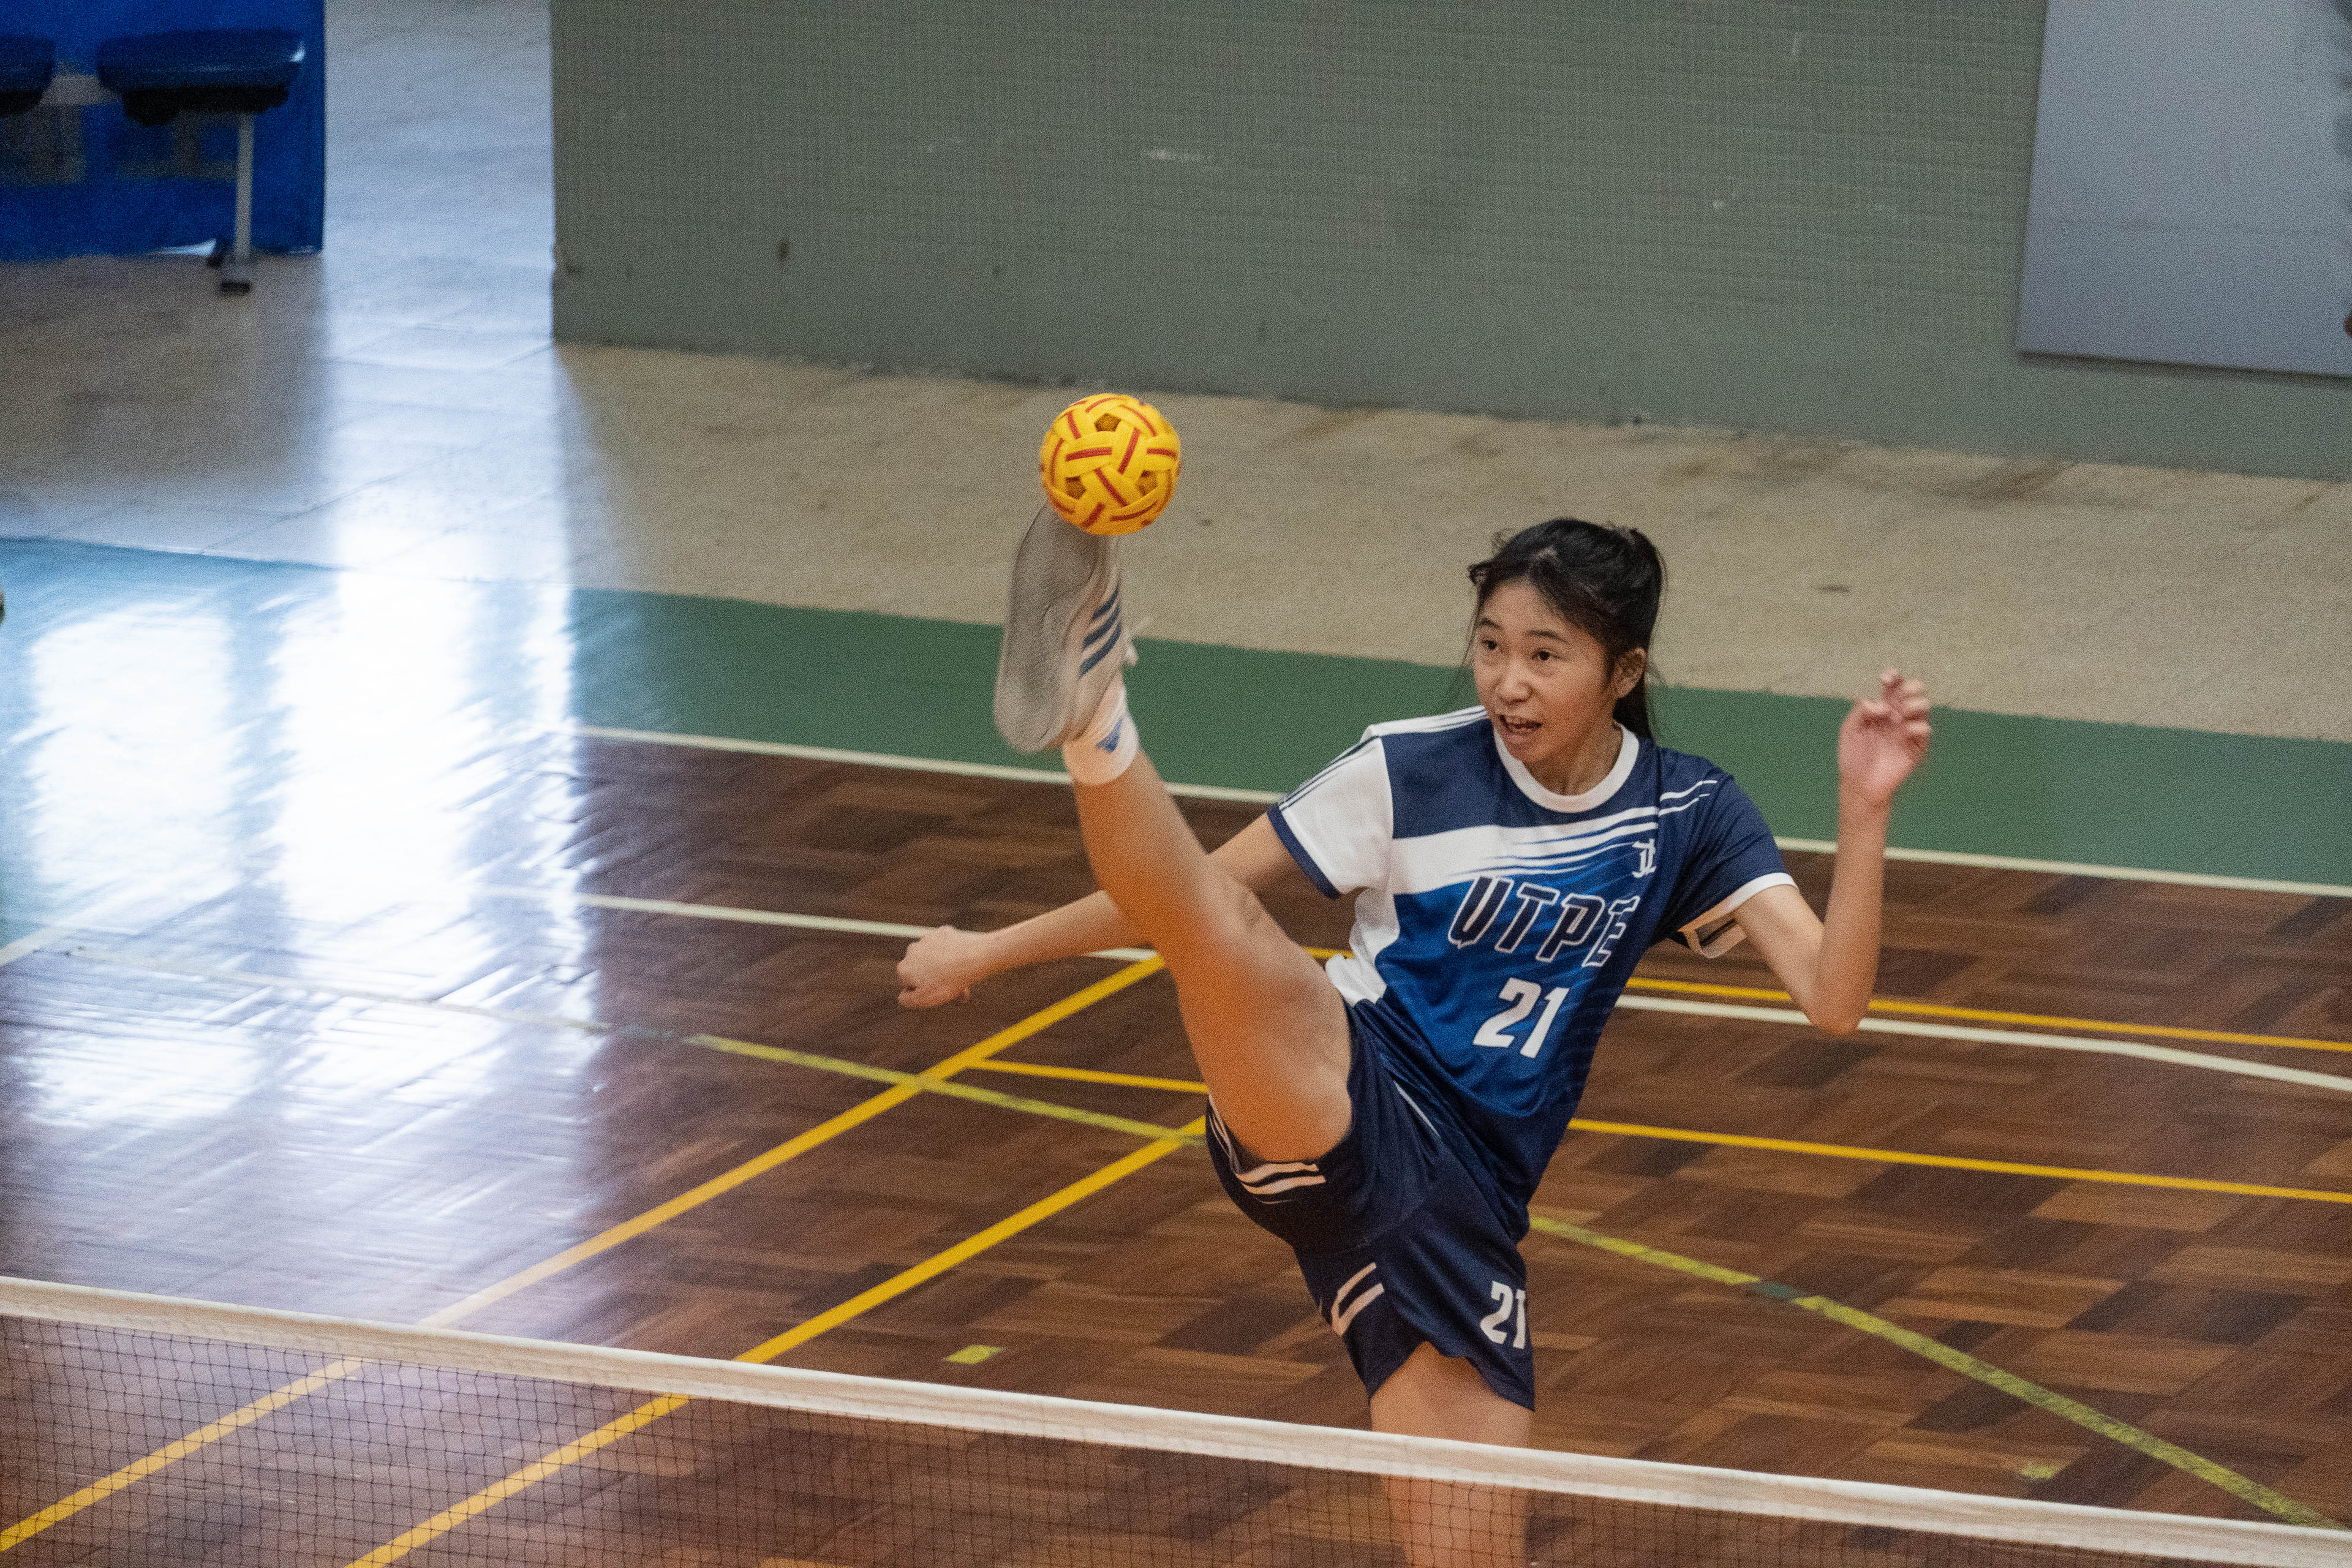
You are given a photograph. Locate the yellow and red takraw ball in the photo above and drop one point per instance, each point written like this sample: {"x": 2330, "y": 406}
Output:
{"x": 1109, "y": 463}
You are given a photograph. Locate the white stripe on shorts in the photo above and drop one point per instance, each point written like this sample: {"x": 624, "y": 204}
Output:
{"x": 1342, "y": 1318}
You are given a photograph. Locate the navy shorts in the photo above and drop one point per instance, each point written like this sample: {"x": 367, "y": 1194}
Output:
{"x": 1401, "y": 1236}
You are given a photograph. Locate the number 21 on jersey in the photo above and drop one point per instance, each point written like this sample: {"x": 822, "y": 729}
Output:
{"x": 1522, "y": 995}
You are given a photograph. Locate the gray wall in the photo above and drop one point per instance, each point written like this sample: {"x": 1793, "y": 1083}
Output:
{"x": 1803, "y": 219}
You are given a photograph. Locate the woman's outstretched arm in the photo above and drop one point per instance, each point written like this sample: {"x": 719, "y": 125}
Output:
{"x": 943, "y": 965}
{"x": 1830, "y": 965}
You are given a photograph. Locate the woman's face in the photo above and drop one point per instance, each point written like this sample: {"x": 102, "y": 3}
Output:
{"x": 1545, "y": 683}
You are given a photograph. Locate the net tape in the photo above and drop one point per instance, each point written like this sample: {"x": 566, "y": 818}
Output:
{"x": 2103, "y": 1533}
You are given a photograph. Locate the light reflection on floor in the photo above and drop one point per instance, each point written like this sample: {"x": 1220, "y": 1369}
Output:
{"x": 326, "y": 743}
{"x": 284, "y": 770}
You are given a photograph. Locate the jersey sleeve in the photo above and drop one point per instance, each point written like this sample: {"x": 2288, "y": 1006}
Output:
{"x": 1337, "y": 824}
{"x": 1732, "y": 859}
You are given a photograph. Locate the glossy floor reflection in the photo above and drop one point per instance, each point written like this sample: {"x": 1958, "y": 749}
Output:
{"x": 175, "y": 727}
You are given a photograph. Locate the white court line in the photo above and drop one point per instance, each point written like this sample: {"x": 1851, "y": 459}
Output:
{"x": 884, "y": 760}
{"x": 2002, "y": 1037}
{"x": 2076, "y": 869}
{"x": 1267, "y": 797}
{"x": 762, "y": 917}
{"x": 81, "y": 920}
{"x": 1640, "y": 1003}
{"x": 328, "y": 988}
{"x": 25, "y": 945}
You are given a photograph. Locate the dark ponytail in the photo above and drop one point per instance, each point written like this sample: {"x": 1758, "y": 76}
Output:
{"x": 1606, "y": 581}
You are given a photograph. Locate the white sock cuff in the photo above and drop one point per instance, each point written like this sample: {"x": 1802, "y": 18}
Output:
{"x": 1108, "y": 747}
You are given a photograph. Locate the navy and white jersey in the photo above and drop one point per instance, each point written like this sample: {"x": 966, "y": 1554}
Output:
{"x": 1496, "y": 921}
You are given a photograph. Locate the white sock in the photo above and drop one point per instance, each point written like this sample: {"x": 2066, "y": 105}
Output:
{"x": 1108, "y": 746}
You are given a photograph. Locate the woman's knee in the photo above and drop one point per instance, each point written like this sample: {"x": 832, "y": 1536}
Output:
{"x": 1275, "y": 1059}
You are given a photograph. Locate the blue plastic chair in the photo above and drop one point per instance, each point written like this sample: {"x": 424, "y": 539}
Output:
{"x": 26, "y": 66}
{"x": 240, "y": 71}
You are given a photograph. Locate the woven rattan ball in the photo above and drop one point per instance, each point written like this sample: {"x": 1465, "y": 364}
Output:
{"x": 1109, "y": 463}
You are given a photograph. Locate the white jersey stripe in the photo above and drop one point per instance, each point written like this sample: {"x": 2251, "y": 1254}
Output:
{"x": 1429, "y": 726}
{"x": 1333, "y": 766}
{"x": 1437, "y": 860}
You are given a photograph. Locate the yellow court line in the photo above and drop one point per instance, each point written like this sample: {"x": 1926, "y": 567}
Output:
{"x": 1988, "y": 1016}
{"x": 792, "y": 1148}
{"x": 2009, "y": 1383}
{"x": 1092, "y": 1075}
{"x": 99, "y": 1490}
{"x": 897, "y": 1285}
{"x": 1959, "y": 1162}
{"x": 865, "y": 1110}
{"x": 952, "y": 1090}
{"x": 1981, "y": 1014}
{"x": 1789, "y": 1145}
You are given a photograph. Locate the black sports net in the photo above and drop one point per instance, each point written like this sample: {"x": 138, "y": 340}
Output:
{"x": 122, "y": 1447}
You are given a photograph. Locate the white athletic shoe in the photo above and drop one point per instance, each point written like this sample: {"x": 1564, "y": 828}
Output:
{"x": 1065, "y": 638}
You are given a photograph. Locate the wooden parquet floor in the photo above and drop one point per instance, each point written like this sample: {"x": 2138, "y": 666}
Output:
{"x": 174, "y": 1132}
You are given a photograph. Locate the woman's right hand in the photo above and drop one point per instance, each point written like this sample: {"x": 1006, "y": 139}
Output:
{"x": 942, "y": 965}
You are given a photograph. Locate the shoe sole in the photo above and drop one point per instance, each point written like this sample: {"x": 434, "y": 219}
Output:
{"x": 1063, "y": 634}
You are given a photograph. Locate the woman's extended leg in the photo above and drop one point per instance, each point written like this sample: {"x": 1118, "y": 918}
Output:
{"x": 1269, "y": 1032}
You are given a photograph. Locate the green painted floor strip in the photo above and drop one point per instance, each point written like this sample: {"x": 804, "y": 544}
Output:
{"x": 2250, "y": 1491}
{"x": 2041, "y": 789}
{"x": 2051, "y": 789}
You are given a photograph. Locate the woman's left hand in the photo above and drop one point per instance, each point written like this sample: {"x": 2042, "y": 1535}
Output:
{"x": 1882, "y": 740}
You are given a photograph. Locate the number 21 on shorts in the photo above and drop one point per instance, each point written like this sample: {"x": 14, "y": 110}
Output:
{"x": 1522, "y": 995}
{"x": 1498, "y": 1323}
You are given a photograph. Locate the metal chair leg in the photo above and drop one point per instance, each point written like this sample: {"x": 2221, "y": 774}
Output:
{"x": 237, "y": 272}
